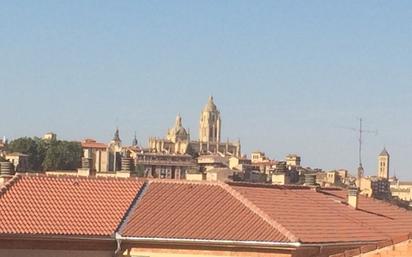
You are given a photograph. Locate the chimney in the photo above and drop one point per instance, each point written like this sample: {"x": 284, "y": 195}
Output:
{"x": 353, "y": 197}
{"x": 310, "y": 179}
{"x": 126, "y": 168}
{"x": 6, "y": 172}
{"x": 86, "y": 163}
{"x": 126, "y": 164}
{"x": 86, "y": 169}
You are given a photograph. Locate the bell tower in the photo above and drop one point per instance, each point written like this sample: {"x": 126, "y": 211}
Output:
{"x": 210, "y": 123}
{"x": 383, "y": 164}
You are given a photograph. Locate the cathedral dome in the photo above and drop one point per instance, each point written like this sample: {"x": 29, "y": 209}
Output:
{"x": 178, "y": 132}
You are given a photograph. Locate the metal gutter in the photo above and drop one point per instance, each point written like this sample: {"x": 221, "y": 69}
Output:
{"x": 208, "y": 242}
{"x": 54, "y": 237}
{"x": 340, "y": 243}
{"x": 126, "y": 216}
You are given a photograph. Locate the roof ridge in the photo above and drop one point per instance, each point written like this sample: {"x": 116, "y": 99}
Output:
{"x": 133, "y": 205}
{"x": 350, "y": 218}
{"x": 266, "y": 185}
{"x": 6, "y": 186}
{"x": 75, "y": 176}
{"x": 183, "y": 181}
{"x": 273, "y": 223}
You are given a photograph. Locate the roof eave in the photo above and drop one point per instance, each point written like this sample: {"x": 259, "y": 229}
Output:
{"x": 56, "y": 237}
{"x": 348, "y": 243}
{"x": 209, "y": 242}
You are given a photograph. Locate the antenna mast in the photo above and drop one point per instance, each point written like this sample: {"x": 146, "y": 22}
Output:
{"x": 360, "y": 142}
{"x": 361, "y": 131}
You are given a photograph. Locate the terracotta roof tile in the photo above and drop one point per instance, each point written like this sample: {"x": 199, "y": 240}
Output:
{"x": 65, "y": 205}
{"x": 317, "y": 217}
{"x": 384, "y": 217}
{"x": 91, "y": 143}
{"x": 69, "y": 205}
{"x": 196, "y": 211}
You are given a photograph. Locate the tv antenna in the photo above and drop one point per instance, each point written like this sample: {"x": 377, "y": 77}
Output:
{"x": 361, "y": 131}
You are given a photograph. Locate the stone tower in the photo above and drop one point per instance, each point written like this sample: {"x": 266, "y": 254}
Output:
{"x": 383, "y": 164}
{"x": 114, "y": 152}
{"x": 210, "y": 123}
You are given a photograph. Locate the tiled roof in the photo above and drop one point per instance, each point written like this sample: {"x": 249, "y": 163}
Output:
{"x": 76, "y": 206}
{"x": 320, "y": 217}
{"x": 66, "y": 205}
{"x": 91, "y": 143}
{"x": 384, "y": 217}
{"x": 197, "y": 211}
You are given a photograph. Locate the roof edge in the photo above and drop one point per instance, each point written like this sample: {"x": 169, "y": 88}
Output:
{"x": 6, "y": 186}
{"x": 54, "y": 237}
{"x": 209, "y": 242}
{"x": 126, "y": 217}
{"x": 274, "y": 224}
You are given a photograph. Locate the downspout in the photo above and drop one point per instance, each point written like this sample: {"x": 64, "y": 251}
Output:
{"x": 119, "y": 245}
{"x": 132, "y": 207}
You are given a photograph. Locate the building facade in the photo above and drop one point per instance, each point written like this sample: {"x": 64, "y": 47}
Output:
{"x": 104, "y": 157}
{"x": 178, "y": 141}
{"x": 163, "y": 165}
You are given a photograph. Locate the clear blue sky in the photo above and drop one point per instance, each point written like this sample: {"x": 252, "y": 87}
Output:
{"x": 286, "y": 75}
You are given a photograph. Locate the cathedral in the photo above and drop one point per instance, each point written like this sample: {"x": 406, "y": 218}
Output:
{"x": 178, "y": 140}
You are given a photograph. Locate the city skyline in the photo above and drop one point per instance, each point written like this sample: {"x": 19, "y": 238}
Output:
{"x": 288, "y": 77}
{"x": 127, "y": 140}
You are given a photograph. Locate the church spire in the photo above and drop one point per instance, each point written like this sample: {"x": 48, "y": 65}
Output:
{"x": 134, "y": 142}
{"x": 116, "y": 137}
{"x": 178, "y": 123}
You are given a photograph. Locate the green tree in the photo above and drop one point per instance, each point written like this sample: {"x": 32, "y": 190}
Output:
{"x": 28, "y": 146}
{"x": 62, "y": 155}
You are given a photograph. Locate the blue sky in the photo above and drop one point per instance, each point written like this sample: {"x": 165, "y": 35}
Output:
{"x": 287, "y": 76}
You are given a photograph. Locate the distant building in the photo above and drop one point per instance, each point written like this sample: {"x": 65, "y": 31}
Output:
{"x": 20, "y": 161}
{"x": 163, "y": 165}
{"x": 240, "y": 163}
{"x": 178, "y": 138}
{"x": 114, "y": 151}
{"x": 219, "y": 174}
{"x": 176, "y": 142}
{"x": 377, "y": 186}
{"x": 104, "y": 157}
{"x": 3, "y": 143}
{"x": 207, "y": 162}
{"x": 293, "y": 160}
{"x": 50, "y": 136}
{"x": 280, "y": 178}
{"x": 257, "y": 157}
{"x": 402, "y": 190}
{"x": 262, "y": 163}
{"x": 98, "y": 152}
{"x": 383, "y": 164}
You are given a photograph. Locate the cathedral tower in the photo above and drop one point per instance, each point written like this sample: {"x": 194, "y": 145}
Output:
{"x": 210, "y": 123}
{"x": 383, "y": 164}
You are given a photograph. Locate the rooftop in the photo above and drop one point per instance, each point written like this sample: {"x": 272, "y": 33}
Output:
{"x": 170, "y": 209}
{"x": 64, "y": 205}
{"x": 91, "y": 143}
